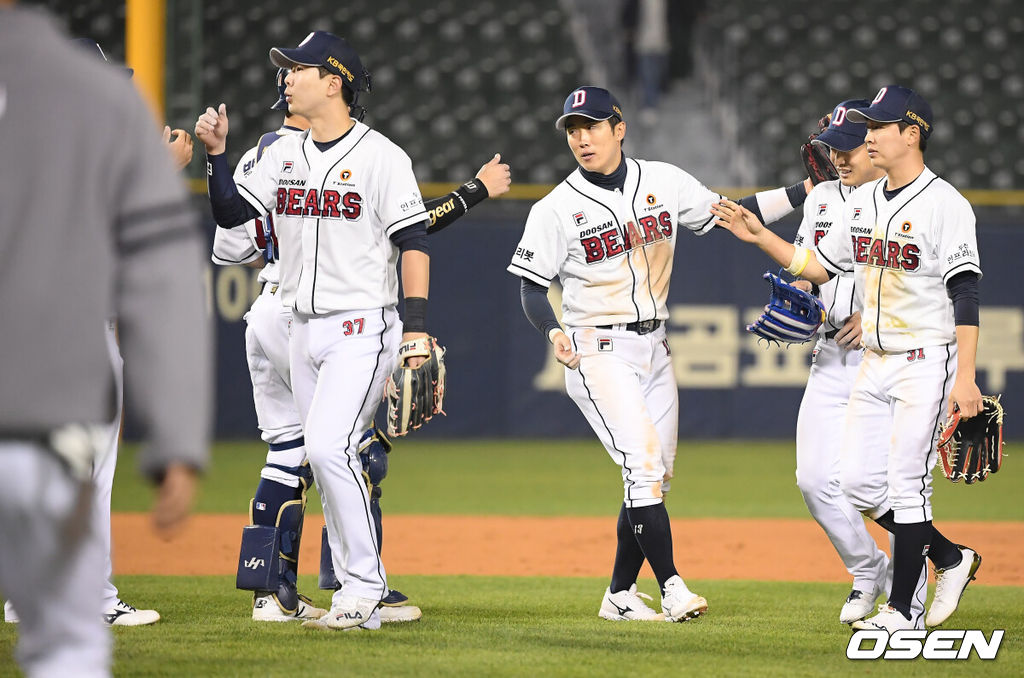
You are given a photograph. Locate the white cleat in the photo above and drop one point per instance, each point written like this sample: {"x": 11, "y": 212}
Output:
{"x": 628, "y": 606}
{"x": 888, "y": 619}
{"x": 351, "y": 612}
{"x": 680, "y": 603}
{"x": 265, "y": 608}
{"x": 10, "y": 616}
{"x": 399, "y": 613}
{"x": 859, "y": 604}
{"x": 950, "y": 585}
{"x": 123, "y": 614}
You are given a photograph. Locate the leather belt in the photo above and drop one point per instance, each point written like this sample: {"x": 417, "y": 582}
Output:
{"x": 831, "y": 334}
{"x": 640, "y": 326}
{"x": 272, "y": 288}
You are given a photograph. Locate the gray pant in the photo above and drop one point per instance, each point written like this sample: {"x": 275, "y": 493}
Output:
{"x": 50, "y": 565}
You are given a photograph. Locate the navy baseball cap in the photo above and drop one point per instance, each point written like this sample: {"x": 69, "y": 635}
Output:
{"x": 94, "y": 47}
{"x": 321, "y": 48}
{"x": 842, "y": 133}
{"x": 894, "y": 103}
{"x": 281, "y": 104}
{"x": 590, "y": 102}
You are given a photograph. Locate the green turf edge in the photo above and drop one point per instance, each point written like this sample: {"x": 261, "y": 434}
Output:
{"x": 518, "y": 626}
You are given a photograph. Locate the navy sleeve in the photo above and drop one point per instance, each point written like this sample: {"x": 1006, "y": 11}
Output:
{"x": 963, "y": 291}
{"x": 229, "y": 208}
{"x": 537, "y": 307}
{"x": 412, "y": 238}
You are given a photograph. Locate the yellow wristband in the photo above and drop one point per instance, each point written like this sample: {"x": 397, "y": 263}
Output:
{"x": 801, "y": 256}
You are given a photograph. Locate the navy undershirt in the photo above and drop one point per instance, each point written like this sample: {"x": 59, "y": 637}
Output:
{"x": 610, "y": 182}
{"x": 324, "y": 146}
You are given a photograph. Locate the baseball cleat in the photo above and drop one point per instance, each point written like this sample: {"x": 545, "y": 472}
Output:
{"x": 627, "y": 605}
{"x": 123, "y": 614}
{"x": 888, "y": 619}
{"x": 10, "y": 616}
{"x": 680, "y": 603}
{"x": 858, "y": 605}
{"x": 265, "y": 608}
{"x": 351, "y": 612}
{"x": 399, "y": 613}
{"x": 950, "y": 585}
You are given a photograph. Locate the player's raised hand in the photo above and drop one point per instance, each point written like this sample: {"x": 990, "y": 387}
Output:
{"x": 212, "y": 129}
{"x": 562, "y": 346}
{"x": 496, "y": 176}
{"x": 180, "y": 147}
{"x": 738, "y": 219}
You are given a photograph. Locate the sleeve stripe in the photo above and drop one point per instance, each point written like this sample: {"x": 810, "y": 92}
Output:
{"x": 971, "y": 266}
{"x": 179, "y": 233}
{"x": 829, "y": 264}
{"x": 404, "y": 222}
{"x": 516, "y": 269}
{"x": 705, "y": 227}
{"x": 154, "y": 212}
{"x": 251, "y": 199}
{"x": 246, "y": 258}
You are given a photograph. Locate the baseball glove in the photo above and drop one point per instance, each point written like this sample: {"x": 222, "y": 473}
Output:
{"x": 815, "y": 156}
{"x": 792, "y": 316}
{"x": 415, "y": 395}
{"x": 971, "y": 449}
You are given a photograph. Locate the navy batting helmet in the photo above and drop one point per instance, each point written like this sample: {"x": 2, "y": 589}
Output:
{"x": 281, "y": 104}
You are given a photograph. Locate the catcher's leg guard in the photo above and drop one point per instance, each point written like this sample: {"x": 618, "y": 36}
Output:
{"x": 374, "y": 448}
{"x": 268, "y": 559}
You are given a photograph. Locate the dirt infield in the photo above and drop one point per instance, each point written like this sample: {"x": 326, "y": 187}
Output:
{"x": 709, "y": 548}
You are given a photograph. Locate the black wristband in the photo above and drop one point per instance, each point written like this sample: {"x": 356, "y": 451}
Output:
{"x": 472, "y": 192}
{"x": 415, "y": 315}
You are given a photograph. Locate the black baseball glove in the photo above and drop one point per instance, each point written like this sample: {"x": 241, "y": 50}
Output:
{"x": 415, "y": 395}
{"x": 971, "y": 449}
{"x": 792, "y": 316}
{"x": 815, "y": 156}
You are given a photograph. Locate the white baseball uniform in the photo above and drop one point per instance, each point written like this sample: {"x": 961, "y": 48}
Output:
{"x": 823, "y": 407}
{"x": 266, "y": 335}
{"x": 613, "y": 253}
{"x": 334, "y": 212}
{"x": 902, "y": 252}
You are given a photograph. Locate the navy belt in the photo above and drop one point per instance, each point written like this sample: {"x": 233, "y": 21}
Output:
{"x": 831, "y": 334}
{"x": 640, "y": 326}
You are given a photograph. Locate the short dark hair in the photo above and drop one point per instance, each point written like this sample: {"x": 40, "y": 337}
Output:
{"x": 922, "y": 141}
{"x": 346, "y": 92}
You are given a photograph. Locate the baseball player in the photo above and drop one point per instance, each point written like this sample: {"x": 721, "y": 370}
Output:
{"x": 116, "y": 611}
{"x": 276, "y": 510}
{"x": 909, "y": 240}
{"x": 835, "y": 362}
{"x": 109, "y": 231}
{"x": 608, "y": 233}
{"x": 346, "y": 205}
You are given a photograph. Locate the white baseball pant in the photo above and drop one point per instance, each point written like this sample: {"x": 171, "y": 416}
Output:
{"x": 339, "y": 365}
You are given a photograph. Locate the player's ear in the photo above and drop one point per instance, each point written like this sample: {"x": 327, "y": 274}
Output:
{"x": 620, "y": 130}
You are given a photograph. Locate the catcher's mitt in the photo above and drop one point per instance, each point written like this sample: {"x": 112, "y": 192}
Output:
{"x": 971, "y": 449}
{"x": 415, "y": 395}
{"x": 815, "y": 156}
{"x": 792, "y": 316}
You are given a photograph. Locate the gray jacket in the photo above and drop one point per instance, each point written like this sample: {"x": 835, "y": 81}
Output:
{"x": 94, "y": 223}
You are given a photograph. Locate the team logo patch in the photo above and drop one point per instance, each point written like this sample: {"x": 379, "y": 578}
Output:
{"x": 880, "y": 95}
{"x": 286, "y": 168}
{"x": 651, "y": 199}
{"x": 260, "y": 506}
{"x": 580, "y": 218}
{"x": 856, "y": 212}
{"x": 822, "y": 208}
{"x": 906, "y": 227}
{"x": 604, "y": 344}
{"x": 346, "y": 175}
{"x": 579, "y": 97}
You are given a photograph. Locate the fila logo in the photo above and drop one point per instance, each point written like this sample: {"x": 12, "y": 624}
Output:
{"x": 880, "y": 95}
{"x": 353, "y": 615}
{"x": 604, "y": 345}
{"x": 856, "y": 212}
{"x": 822, "y": 208}
{"x": 580, "y": 218}
{"x": 254, "y": 563}
{"x": 286, "y": 168}
{"x": 579, "y": 97}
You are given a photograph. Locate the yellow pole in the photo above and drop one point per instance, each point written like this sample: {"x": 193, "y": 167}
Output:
{"x": 144, "y": 49}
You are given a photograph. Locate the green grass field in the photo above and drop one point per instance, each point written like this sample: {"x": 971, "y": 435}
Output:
{"x": 518, "y": 626}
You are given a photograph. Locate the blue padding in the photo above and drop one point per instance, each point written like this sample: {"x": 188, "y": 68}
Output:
{"x": 258, "y": 559}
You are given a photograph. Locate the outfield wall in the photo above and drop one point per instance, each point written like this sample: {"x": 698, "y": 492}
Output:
{"x": 502, "y": 381}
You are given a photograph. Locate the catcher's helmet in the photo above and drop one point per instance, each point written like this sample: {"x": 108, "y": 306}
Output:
{"x": 281, "y": 104}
